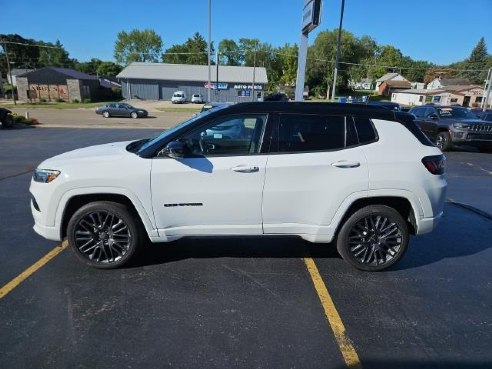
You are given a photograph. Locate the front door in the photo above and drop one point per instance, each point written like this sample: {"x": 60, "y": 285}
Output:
{"x": 217, "y": 187}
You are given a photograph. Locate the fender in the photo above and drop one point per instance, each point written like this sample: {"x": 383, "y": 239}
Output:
{"x": 146, "y": 215}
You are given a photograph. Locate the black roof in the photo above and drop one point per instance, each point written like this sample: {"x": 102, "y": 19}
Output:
{"x": 373, "y": 111}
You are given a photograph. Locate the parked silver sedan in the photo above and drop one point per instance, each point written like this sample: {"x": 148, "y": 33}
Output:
{"x": 121, "y": 110}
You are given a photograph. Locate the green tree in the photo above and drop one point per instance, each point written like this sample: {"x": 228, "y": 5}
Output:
{"x": 22, "y": 52}
{"x": 193, "y": 51}
{"x": 137, "y": 46}
{"x": 108, "y": 69}
{"x": 286, "y": 57}
{"x": 414, "y": 70}
{"x": 229, "y": 53}
{"x": 54, "y": 55}
{"x": 321, "y": 60}
{"x": 477, "y": 63}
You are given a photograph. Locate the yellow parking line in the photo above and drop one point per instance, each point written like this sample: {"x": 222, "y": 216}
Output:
{"x": 348, "y": 351}
{"x": 32, "y": 269}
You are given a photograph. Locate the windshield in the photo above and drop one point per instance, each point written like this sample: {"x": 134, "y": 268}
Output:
{"x": 457, "y": 112}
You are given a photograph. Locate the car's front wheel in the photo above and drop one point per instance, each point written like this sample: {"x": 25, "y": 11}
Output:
{"x": 373, "y": 238}
{"x": 443, "y": 141}
{"x": 106, "y": 114}
{"x": 104, "y": 234}
{"x": 134, "y": 115}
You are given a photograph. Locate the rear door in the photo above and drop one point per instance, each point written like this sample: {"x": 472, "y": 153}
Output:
{"x": 313, "y": 167}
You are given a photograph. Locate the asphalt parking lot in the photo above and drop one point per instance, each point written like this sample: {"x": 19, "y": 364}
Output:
{"x": 243, "y": 302}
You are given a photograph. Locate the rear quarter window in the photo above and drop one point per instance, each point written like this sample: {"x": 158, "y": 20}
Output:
{"x": 365, "y": 130}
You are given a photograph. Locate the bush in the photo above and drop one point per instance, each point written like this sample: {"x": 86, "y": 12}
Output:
{"x": 21, "y": 119}
{"x": 58, "y": 100}
{"x": 42, "y": 100}
{"x": 86, "y": 101}
{"x": 75, "y": 101}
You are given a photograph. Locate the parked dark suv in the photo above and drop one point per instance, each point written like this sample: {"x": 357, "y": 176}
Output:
{"x": 448, "y": 126}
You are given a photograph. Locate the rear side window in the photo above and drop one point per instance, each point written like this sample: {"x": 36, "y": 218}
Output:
{"x": 418, "y": 112}
{"x": 301, "y": 133}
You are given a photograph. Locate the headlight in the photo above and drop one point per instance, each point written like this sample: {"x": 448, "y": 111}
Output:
{"x": 461, "y": 125}
{"x": 45, "y": 175}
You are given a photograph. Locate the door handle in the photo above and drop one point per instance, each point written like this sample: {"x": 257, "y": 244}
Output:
{"x": 346, "y": 164}
{"x": 245, "y": 169}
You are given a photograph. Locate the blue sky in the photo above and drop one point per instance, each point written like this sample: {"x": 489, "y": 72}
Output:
{"x": 440, "y": 31}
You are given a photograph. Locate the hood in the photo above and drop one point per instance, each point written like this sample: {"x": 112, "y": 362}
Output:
{"x": 106, "y": 152}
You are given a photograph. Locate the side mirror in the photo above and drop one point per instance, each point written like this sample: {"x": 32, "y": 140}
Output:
{"x": 175, "y": 150}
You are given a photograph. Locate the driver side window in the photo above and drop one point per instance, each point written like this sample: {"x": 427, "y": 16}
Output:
{"x": 237, "y": 135}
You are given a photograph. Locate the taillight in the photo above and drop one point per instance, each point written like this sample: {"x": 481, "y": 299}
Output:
{"x": 435, "y": 164}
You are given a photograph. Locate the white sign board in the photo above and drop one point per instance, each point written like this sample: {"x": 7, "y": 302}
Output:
{"x": 311, "y": 15}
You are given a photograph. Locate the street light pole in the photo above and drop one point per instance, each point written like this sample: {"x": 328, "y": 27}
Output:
{"x": 10, "y": 72}
{"x": 338, "y": 53}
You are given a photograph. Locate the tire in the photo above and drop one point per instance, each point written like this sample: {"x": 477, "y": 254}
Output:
{"x": 8, "y": 121}
{"x": 443, "y": 141}
{"x": 134, "y": 115}
{"x": 106, "y": 114}
{"x": 104, "y": 234}
{"x": 373, "y": 238}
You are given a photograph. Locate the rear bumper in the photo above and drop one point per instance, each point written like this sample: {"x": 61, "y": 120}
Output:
{"x": 427, "y": 225}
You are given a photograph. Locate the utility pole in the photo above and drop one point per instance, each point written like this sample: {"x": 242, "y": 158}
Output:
{"x": 10, "y": 72}
{"x": 338, "y": 53}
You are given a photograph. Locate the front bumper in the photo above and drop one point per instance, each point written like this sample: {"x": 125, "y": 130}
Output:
{"x": 50, "y": 233}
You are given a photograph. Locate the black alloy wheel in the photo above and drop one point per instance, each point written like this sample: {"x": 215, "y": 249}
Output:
{"x": 373, "y": 238}
{"x": 103, "y": 234}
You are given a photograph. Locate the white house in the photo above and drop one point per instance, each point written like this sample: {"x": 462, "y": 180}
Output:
{"x": 389, "y": 77}
{"x": 445, "y": 82}
{"x": 470, "y": 95}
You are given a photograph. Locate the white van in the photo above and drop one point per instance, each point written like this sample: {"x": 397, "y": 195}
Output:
{"x": 179, "y": 97}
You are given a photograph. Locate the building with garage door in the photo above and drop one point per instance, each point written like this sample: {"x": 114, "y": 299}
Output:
{"x": 158, "y": 81}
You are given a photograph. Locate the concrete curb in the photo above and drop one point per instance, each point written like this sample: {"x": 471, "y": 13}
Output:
{"x": 471, "y": 208}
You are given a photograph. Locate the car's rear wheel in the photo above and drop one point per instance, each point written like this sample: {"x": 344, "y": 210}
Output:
{"x": 106, "y": 114}
{"x": 134, "y": 115}
{"x": 443, "y": 141}
{"x": 104, "y": 234}
{"x": 373, "y": 238}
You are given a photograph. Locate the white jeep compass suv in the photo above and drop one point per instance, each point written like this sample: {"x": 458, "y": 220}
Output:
{"x": 362, "y": 177}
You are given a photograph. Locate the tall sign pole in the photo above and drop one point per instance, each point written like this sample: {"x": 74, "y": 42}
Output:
{"x": 486, "y": 94}
{"x": 209, "y": 46}
{"x": 311, "y": 18}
